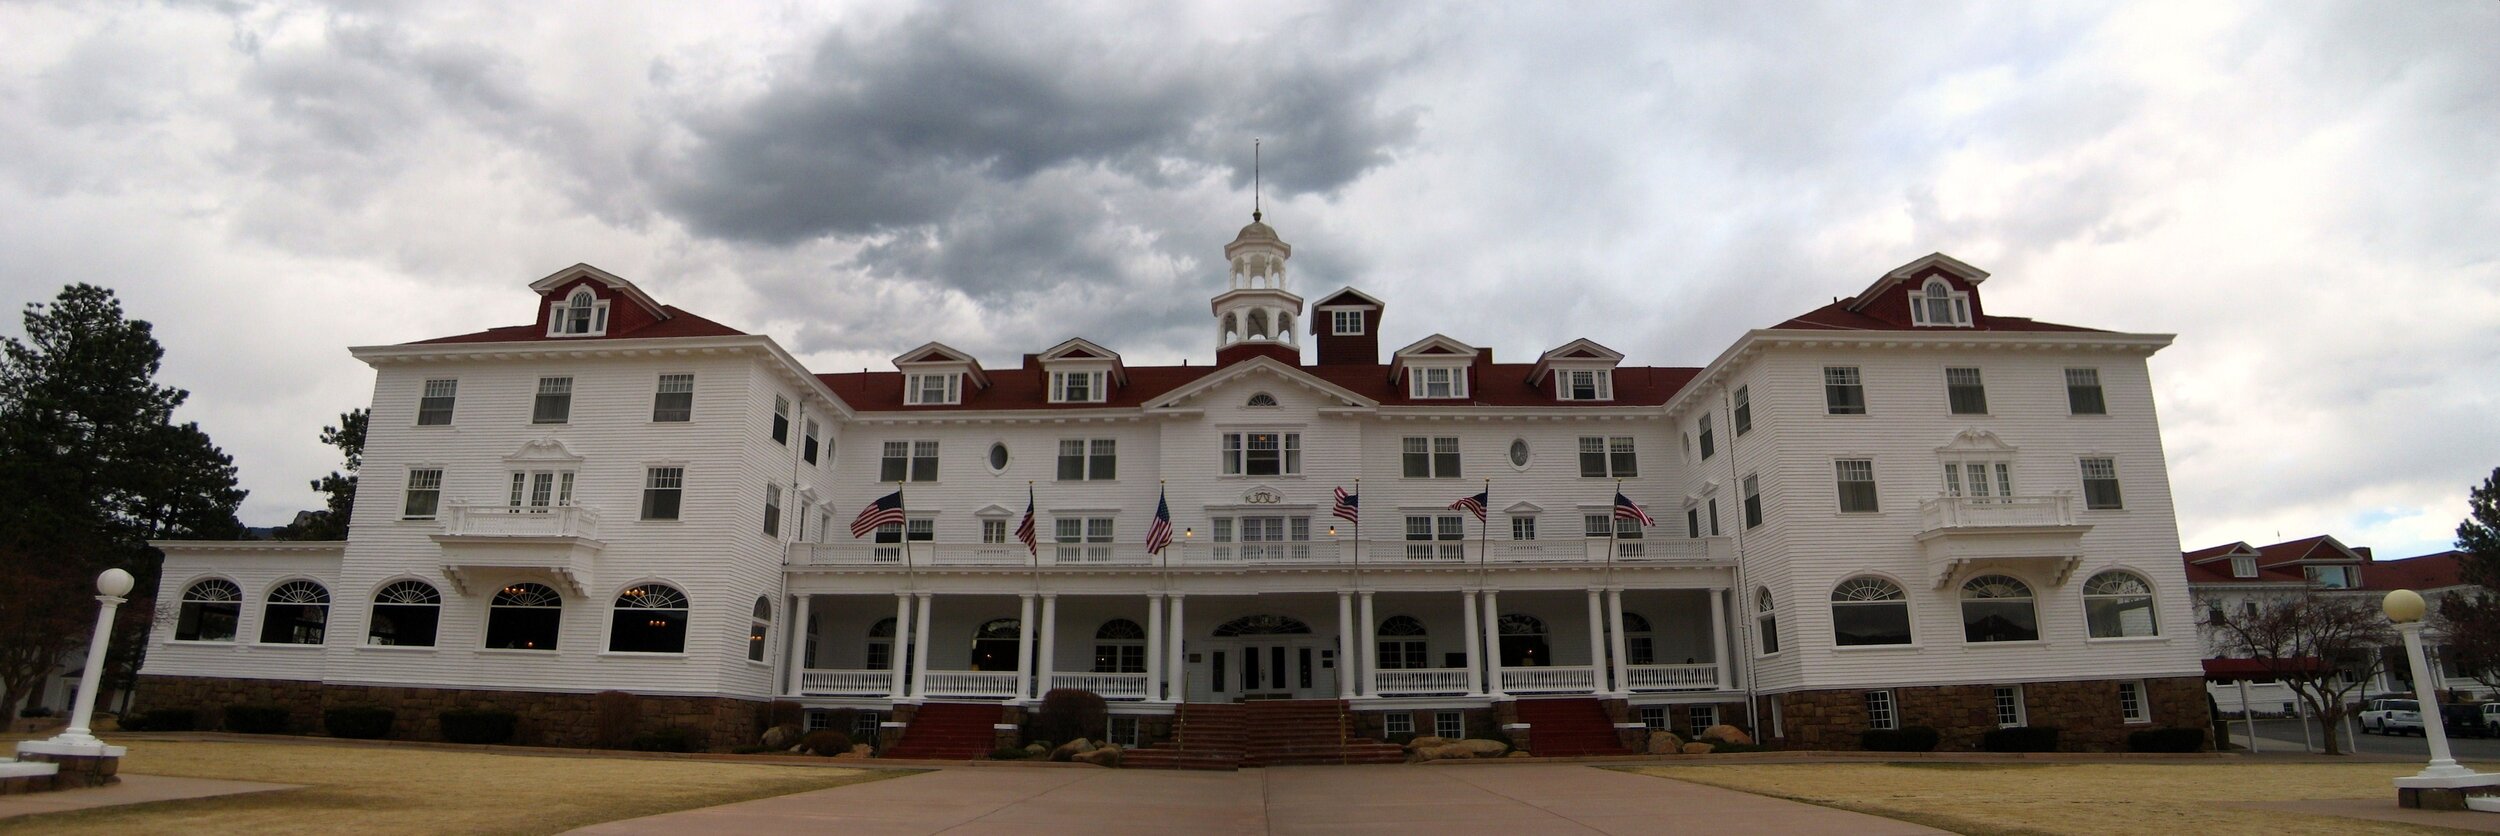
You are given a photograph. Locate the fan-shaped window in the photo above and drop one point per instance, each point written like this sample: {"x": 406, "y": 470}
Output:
{"x": 580, "y": 313}
{"x": 1120, "y": 647}
{"x": 1523, "y": 641}
{"x": 405, "y": 614}
{"x": 524, "y": 616}
{"x": 649, "y": 618}
{"x": 1402, "y": 643}
{"x": 1997, "y": 608}
{"x": 995, "y": 645}
{"x": 1262, "y": 625}
{"x": 2118, "y": 604}
{"x": 1767, "y": 618}
{"x": 1639, "y": 644}
{"x": 998, "y": 456}
{"x": 881, "y": 645}
{"x": 759, "y": 629}
{"x": 298, "y": 612}
{"x": 1869, "y": 611}
{"x": 210, "y": 610}
{"x": 1262, "y": 399}
{"x": 1938, "y": 304}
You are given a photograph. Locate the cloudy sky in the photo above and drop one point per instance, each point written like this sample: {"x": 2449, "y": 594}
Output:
{"x": 2308, "y": 194}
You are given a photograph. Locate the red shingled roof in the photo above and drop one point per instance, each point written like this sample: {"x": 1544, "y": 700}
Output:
{"x": 2220, "y": 572}
{"x": 678, "y": 324}
{"x": 2430, "y": 571}
{"x": 1837, "y": 317}
{"x": 1497, "y": 384}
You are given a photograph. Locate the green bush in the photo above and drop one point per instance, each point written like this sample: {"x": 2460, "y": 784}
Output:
{"x": 1904, "y": 739}
{"x": 671, "y": 739}
{"x": 256, "y": 719}
{"x": 1009, "y": 753}
{"x": 2021, "y": 739}
{"x": 1722, "y": 747}
{"x": 34, "y": 711}
{"x": 478, "y": 725}
{"x": 359, "y": 722}
{"x": 826, "y": 742}
{"x": 162, "y": 719}
{"x": 1070, "y": 713}
{"x": 2167, "y": 740}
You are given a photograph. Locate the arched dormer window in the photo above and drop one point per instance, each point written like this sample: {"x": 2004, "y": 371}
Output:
{"x": 1938, "y": 305}
{"x": 580, "y": 315}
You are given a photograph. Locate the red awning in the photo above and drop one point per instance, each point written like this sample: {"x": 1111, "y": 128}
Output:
{"x": 2234, "y": 670}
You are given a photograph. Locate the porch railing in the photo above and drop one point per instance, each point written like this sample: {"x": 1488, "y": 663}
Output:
{"x": 845, "y": 683}
{"x": 1112, "y": 686}
{"x": 467, "y": 519}
{"x": 1560, "y": 679}
{"x": 999, "y": 684}
{"x": 1996, "y": 511}
{"x": 1325, "y": 551}
{"x": 1674, "y": 677}
{"x": 1424, "y": 681}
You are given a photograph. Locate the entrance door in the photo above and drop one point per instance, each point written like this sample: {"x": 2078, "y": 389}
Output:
{"x": 1295, "y": 669}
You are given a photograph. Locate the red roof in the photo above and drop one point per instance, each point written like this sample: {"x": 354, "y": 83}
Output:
{"x": 678, "y": 324}
{"x": 1837, "y": 317}
{"x": 2221, "y": 573}
{"x": 1494, "y": 384}
{"x": 2430, "y": 571}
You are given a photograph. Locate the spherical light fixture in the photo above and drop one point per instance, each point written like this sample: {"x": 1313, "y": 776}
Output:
{"x": 2403, "y": 606}
{"x": 114, "y": 582}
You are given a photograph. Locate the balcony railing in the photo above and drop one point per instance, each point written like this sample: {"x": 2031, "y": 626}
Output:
{"x": 464, "y": 519}
{"x": 1423, "y": 681}
{"x": 1673, "y": 677}
{"x": 997, "y": 684}
{"x": 1552, "y": 680}
{"x": 845, "y": 683}
{"x": 1112, "y": 686}
{"x": 1996, "y": 511}
{"x": 1326, "y": 551}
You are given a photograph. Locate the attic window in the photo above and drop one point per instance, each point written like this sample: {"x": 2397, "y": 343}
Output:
{"x": 1443, "y": 382}
{"x": 1345, "y": 323}
{"x": 2243, "y": 567}
{"x": 1585, "y": 385}
{"x": 1938, "y": 305}
{"x": 1076, "y": 387}
{"x": 924, "y": 389}
{"x": 1262, "y": 399}
{"x": 582, "y": 315}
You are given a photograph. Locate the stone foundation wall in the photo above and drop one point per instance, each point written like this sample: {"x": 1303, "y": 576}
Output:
{"x": 2087, "y": 710}
{"x": 1480, "y": 722}
{"x": 546, "y": 719}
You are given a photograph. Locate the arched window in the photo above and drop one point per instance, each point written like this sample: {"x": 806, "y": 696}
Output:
{"x": 1639, "y": 644}
{"x": 1402, "y": 645}
{"x": 1232, "y": 328}
{"x": 524, "y": 616}
{"x": 1262, "y": 399}
{"x": 1263, "y": 625}
{"x": 1768, "y": 618}
{"x": 759, "y": 629}
{"x": 881, "y": 645}
{"x": 1997, "y": 608}
{"x": 405, "y": 614}
{"x": 1523, "y": 641}
{"x": 2118, "y": 604}
{"x": 648, "y": 618}
{"x": 1120, "y": 647}
{"x": 1258, "y": 325}
{"x": 1869, "y": 610}
{"x": 1284, "y": 327}
{"x": 995, "y": 645}
{"x": 298, "y": 612}
{"x": 210, "y": 610}
{"x": 1939, "y": 304}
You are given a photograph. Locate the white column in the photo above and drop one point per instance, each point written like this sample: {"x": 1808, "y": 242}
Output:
{"x": 2425, "y": 692}
{"x": 1597, "y": 644}
{"x": 1623, "y": 660}
{"x": 1493, "y": 644}
{"x": 1718, "y": 634}
{"x": 794, "y": 631}
{"x": 1172, "y": 650}
{"x": 1154, "y": 647}
{"x": 1024, "y": 645}
{"x": 1475, "y": 671}
{"x": 1345, "y": 645}
{"x": 1371, "y": 673}
{"x": 900, "y": 658}
{"x": 1050, "y": 641}
{"x": 920, "y": 649}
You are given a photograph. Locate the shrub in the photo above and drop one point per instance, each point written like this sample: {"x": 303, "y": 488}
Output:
{"x": 34, "y": 711}
{"x": 162, "y": 719}
{"x": 359, "y": 722}
{"x": 758, "y": 749}
{"x": 1009, "y": 753}
{"x": 617, "y": 716}
{"x": 671, "y": 739}
{"x": 1069, "y": 713}
{"x": 478, "y": 725}
{"x": 1722, "y": 747}
{"x": 826, "y": 742}
{"x": 779, "y": 713}
{"x": 256, "y": 719}
{"x": 1904, "y": 739}
{"x": 2021, "y": 739}
{"x": 2167, "y": 740}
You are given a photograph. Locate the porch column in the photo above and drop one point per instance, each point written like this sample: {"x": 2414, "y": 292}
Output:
{"x": 1475, "y": 671}
{"x": 1154, "y": 647}
{"x": 1172, "y": 650}
{"x": 1597, "y": 645}
{"x": 1345, "y": 645}
{"x": 900, "y": 659}
{"x": 1623, "y": 660}
{"x": 920, "y": 649}
{"x": 1493, "y": 644}
{"x": 1718, "y": 634}
{"x": 795, "y": 632}
{"x": 1049, "y": 652}
{"x": 1024, "y": 645}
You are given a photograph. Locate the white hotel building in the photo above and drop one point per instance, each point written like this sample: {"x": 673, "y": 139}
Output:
{"x": 1898, "y": 509}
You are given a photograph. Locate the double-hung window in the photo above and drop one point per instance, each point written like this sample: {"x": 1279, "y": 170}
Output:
{"x": 663, "y": 488}
{"x": 538, "y": 490}
{"x": 1431, "y": 457}
{"x": 1076, "y": 387}
{"x": 1523, "y": 527}
{"x": 772, "y": 510}
{"x": 1089, "y": 459}
{"x": 1082, "y": 539}
{"x": 1262, "y": 454}
{"x": 425, "y": 494}
{"x": 1345, "y": 323}
{"x": 2083, "y": 393}
{"x": 1856, "y": 479}
{"x": 673, "y": 403}
{"x": 1707, "y": 447}
{"x": 1608, "y": 456}
{"x": 1436, "y": 537}
{"x": 434, "y": 408}
{"x": 909, "y": 461}
{"x": 781, "y": 420}
{"x": 1587, "y": 384}
{"x": 1753, "y": 500}
{"x": 1596, "y": 524}
{"x": 1964, "y": 393}
{"x": 1744, "y": 410}
{"x": 1980, "y": 481}
{"x": 993, "y": 532}
{"x": 807, "y": 443}
{"x": 1437, "y": 382}
{"x": 1262, "y": 538}
{"x": 925, "y": 389}
{"x": 555, "y": 401}
{"x": 2100, "y": 485}
{"x": 1844, "y": 393}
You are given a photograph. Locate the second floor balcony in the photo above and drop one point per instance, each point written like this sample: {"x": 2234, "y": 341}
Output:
{"x": 1962, "y": 533}
{"x": 557, "y": 543}
{"x": 1347, "y": 552}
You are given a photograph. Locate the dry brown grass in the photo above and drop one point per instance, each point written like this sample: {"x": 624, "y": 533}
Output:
{"x": 2081, "y": 798}
{"x": 358, "y": 789}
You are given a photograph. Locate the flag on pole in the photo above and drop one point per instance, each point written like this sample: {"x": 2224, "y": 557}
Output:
{"x": 1625, "y": 510}
{"x": 1024, "y": 530}
{"x": 1348, "y": 506}
{"x": 887, "y": 510}
{"x": 1473, "y": 504}
{"x": 1159, "y": 534}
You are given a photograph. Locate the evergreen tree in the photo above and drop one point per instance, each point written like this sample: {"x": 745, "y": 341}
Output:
{"x": 330, "y": 523}
{"x": 2469, "y": 622}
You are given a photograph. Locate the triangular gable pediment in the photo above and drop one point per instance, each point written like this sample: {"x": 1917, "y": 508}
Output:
{"x": 1437, "y": 345}
{"x": 1090, "y": 354}
{"x": 584, "y": 272}
{"x": 2327, "y": 549}
{"x": 1348, "y": 297}
{"x": 932, "y": 355}
{"x": 2235, "y": 550}
{"x": 1265, "y": 366}
{"x": 1579, "y": 353}
{"x": 1931, "y": 262}
{"x": 1976, "y": 441}
{"x": 543, "y": 450}
{"x": 994, "y": 511}
{"x": 1523, "y": 509}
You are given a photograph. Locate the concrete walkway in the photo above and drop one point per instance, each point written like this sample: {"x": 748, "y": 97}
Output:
{"x": 1284, "y": 800}
{"x": 133, "y": 789}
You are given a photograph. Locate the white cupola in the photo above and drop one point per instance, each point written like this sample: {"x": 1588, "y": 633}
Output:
{"x": 1256, "y": 309}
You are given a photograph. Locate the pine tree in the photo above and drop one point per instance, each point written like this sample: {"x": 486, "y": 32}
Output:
{"x": 330, "y": 523}
{"x": 2469, "y": 622}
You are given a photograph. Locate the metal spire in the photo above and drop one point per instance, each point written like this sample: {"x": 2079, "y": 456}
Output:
{"x": 1254, "y": 179}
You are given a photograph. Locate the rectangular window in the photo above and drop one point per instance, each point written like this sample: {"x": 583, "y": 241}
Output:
{"x": 1588, "y": 385}
{"x": 1076, "y": 387}
{"x": 1088, "y": 459}
{"x": 1345, "y": 323}
{"x": 1744, "y": 410}
{"x": 1843, "y": 394}
{"x": 1879, "y": 713}
{"x": 1654, "y": 717}
{"x": 918, "y": 529}
{"x": 1605, "y": 523}
{"x": 807, "y": 444}
{"x": 1397, "y": 722}
{"x": 425, "y": 494}
{"x": 772, "y": 510}
{"x": 662, "y": 488}
{"x": 993, "y": 532}
{"x": 1707, "y": 448}
{"x": 1603, "y": 456}
{"x": 541, "y": 489}
{"x": 555, "y": 401}
{"x": 1753, "y": 501}
{"x": 1431, "y": 458}
{"x": 781, "y": 420}
{"x": 1692, "y": 522}
{"x": 2083, "y": 393}
{"x": 2100, "y": 485}
{"x": 1124, "y": 729}
{"x": 434, "y": 409}
{"x": 2009, "y": 705}
{"x": 1082, "y": 538}
{"x": 1713, "y": 515}
{"x": 1857, "y": 485}
{"x": 924, "y": 389}
{"x": 912, "y": 461}
{"x": 2131, "y": 703}
{"x": 1436, "y": 537}
{"x": 1262, "y": 454}
{"x": 674, "y": 402}
{"x": 1449, "y": 724}
{"x": 1700, "y": 718}
{"x": 1974, "y": 480}
{"x": 1964, "y": 392}
{"x": 1438, "y": 383}
{"x": 1523, "y": 527}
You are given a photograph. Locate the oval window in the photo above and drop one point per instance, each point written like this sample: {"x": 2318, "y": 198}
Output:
{"x": 998, "y": 455}
{"x": 1519, "y": 452}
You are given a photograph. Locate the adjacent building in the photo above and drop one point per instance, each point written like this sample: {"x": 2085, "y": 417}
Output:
{"x": 2240, "y": 578}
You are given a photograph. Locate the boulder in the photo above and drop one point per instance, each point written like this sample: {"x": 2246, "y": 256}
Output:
{"x": 1665, "y": 743}
{"x": 1427, "y": 742}
{"x": 1727, "y": 733}
{"x": 1698, "y": 748}
{"x": 863, "y": 749}
{"x": 1036, "y": 749}
{"x": 1516, "y": 755}
{"x": 849, "y": 756}
{"x": 1476, "y": 748}
{"x": 781, "y": 737}
{"x": 1106, "y": 756}
{"x": 1444, "y": 753}
{"x": 1071, "y": 749}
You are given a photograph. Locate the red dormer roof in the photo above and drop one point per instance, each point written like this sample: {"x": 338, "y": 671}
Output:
{"x": 1837, "y": 317}
{"x": 2321, "y": 548}
{"x": 678, "y": 324}
{"x": 2430, "y": 571}
{"x": 631, "y": 313}
{"x": 2209, "y": 565}
{"x": 1501, "y": 384}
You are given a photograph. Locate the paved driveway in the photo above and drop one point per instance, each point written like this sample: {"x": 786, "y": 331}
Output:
{"x": 1442, "y": 800}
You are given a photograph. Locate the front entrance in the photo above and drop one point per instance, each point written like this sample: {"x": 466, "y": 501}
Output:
{"x": 1268, "y": 657}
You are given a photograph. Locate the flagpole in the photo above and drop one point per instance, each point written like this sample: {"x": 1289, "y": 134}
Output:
{"x": 1484, "y": 531}
{"x": 1612, "y": 532}
{"x": 902, "y": 503}
{"x": 1033, "y": 554}
{"x": 1165, "y": 559}
{"x": 1358, "y": 531}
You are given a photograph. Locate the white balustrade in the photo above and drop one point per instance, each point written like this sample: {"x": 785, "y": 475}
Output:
{"x": 1321, "y": 551}
{"x": 1000, "y": 684}
{"x": 1986, "y": 511}
{"x": 1424, "y": 681}
{"x": 844, "y": 683}
{"x": 1111, "y": 686}
{"x": 484, "y": 520}
{"x": 1552, "y": 680}
{"x": 1704, "y": 677}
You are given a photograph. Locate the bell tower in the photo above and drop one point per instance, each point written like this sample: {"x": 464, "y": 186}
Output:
{"x": 1255, "y": 315}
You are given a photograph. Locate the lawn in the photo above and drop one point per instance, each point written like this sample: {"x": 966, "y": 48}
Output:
{"x": 2083, "y": 798}
{"x": 361, "y": 789}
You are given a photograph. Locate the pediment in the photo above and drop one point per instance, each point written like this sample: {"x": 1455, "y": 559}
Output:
{"x": 1079, "y": 348}
{"x": 1348, "y": 297}
{"x": 1925, "y": 265}
{"x": 546, "y": 449}
{"x": 1437, "y": 346}
{"x": 994, "y": 511}
{"x": 1581, "y": 353}
{"x": 1977, "y": 441}
{"x": 1267, "y": 367}
{"x": 584, "y": 272}
{"x": 1524, "y": 509}
{"x": 934, "y": 353}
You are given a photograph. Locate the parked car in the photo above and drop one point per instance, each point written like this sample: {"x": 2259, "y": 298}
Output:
{"x": 2491, "y": 719}
{"x": 2463, "y": 720}
{"x": 2391, "y": 716}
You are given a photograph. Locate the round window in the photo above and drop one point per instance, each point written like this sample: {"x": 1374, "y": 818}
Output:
{"x": 998, "y": 455}
{"x": 1519, "y": 452}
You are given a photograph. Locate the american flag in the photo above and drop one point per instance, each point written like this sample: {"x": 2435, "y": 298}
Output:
{"x": 1473, "y": 504}
{"x": 1024, "y": 530}
{"x": 887, "y": 510}
{"x": 1349, "y": 506}
{"x": 1159, "y": 534}
{"x": 1625, "y": 510}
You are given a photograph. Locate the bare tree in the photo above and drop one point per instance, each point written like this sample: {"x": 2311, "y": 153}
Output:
{"x": 2467, "y": 625}
{"x": 2322, "y": 647}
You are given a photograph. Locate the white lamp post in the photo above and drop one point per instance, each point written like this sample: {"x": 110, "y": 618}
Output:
{"x": 2405, "y": 607}
{"x": 114, "y": 584}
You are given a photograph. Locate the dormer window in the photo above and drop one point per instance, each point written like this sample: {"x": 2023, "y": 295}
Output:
{"x": 1345, "y": 323}
{"x": 1938, "y": 305}
{"x": 1077, "y": 387}
{"x": 1442, "y": 382}
{"x": 2243, "y": 567}
{"x": 926, "y": 389}
{"x": 583, "y": 314}
{"x": 1585, "y": 384}
{"x": 2335, "y": 577}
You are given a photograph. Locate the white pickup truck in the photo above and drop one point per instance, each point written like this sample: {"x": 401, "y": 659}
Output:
{"x": 2392, "y": 716}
